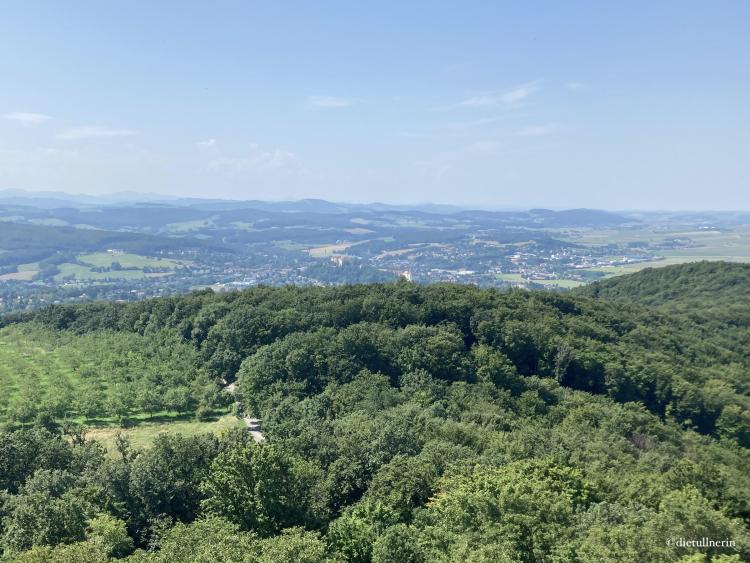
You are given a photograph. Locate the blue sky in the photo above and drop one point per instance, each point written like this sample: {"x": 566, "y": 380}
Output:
{"x": 618, "y": 105}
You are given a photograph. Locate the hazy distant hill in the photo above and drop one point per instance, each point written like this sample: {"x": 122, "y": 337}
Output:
{"x": 23, "y": 243}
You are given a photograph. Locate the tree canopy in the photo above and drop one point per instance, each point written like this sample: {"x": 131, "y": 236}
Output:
{"x": 411, "y": 423}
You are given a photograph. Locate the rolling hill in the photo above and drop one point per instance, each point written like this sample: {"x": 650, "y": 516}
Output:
{"x": 718, "y": 290}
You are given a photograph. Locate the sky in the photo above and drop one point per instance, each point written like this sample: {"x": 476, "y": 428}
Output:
{"x": 559, "y": 104}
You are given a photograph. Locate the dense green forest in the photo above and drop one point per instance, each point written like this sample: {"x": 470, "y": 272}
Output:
{"x": 717, "y": 291}
{"x": 403, "y": 423}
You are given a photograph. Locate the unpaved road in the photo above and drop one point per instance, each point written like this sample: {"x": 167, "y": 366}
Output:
{"x": 253, "y": 424}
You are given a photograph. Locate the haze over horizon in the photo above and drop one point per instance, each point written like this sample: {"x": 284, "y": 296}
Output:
{"x": 135, "y": 197}
{"x": 635, "y": 106}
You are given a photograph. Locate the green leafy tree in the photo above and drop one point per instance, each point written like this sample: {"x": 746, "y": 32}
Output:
{"x": 50, "y": 509}
{"x": 398, "y": 544}
{"x": 262, "y": 488}
{"x": 109, "y": 535}
{"x": 165, "y": 479}
{"x": 734, "y": 423}
{"x": 351, "y": 536}
{"x": 120, "y": 401}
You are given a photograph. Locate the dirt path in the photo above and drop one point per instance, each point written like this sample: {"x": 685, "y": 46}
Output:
{"x": 253, "y": 424}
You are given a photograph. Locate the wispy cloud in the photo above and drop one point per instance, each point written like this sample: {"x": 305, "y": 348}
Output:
{"x": 464, "y": 127}
{"x": 330, "y": 102}
{"x": 27, "y": 118}
{"x": 496, "y": 98}
{"x": 93, "y": 132}
{"x": 477, "y": 153}
{"x": 413, "y": 135}
{"x": 258, "y": 160}
{"x": 447, "y": 162}
{"x": 208, "y": 144}
{"x": 574, "y": 85}
{"x": 537, "y": 130}
{"x": 482, "y": 148}
{"x": 460, "y": 67}
{"x": 435, "y": 168}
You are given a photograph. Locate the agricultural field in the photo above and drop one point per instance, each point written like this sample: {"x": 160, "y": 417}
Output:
{"x": 566, "y": 284}
{"x": 611, "y": 271}
{"x": 79, "y": 272}
{"x": 127, "y": 260}
{"x": 513, "y": 278}
{"x": 26, "y": 272}
{"x": 731, "y": 245}
{"x": 26, "y": 275}
{"x": 242, "y": 225}
{"x": 705, "y": 244}
{"x": 102, "y": 379}
{"x": 289, "y": 245}
{"x": 671, "y": 258}
{"x": 49, "y": 222}
{"x": 518, "y": 278}
{"x": 188, "y": 226}
{"x": 329, "y": 249}
{"x": 131, "y": 267}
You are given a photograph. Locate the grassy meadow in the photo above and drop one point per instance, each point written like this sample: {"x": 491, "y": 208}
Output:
{"x": 141, "y": 435}
{"x": 86, "y": 264}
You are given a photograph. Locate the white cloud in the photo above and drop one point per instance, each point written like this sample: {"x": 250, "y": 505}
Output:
{"x": 454, "y": 160}
{"x": 93, "y": 132}
{"x": 330, "y": 102}
{"x": 471, "y": 156}
{"x": 501, "y": 98}
{"x": 27, "y": 118}
{"x": 576, "y": 85}
{"x": 259, "y": 160}
{"x": 482, "y": 148}
{"x": 209, "y": 144}
{"x": 413, "y": 135}
{"x": 537, "y": 130}
{"x": 435, "y": 168}
{"x": 463, "y": 127}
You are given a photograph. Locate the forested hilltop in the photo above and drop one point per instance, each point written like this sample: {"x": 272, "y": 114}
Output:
{"x": 716, "y": 290}
{"x": 403, "y": 423}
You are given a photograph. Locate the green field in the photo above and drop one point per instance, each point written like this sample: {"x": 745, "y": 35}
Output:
{"x": 83, "y": 270}
{"x": 26, "y": 272}
{"x": 289, "y": 245}
{"x": 49, "y": 222}
{"x": 27, "y": 275}
{"x": 329, "y": 249}
{"x": 729, "y": 246}
{"x": 566, "y": 284}
{"x": 81, "y": 377}
{"x": 80, "y": 272}
{"x": 30, "y": 267}
{"x": 35, "y": 368}
{"x": 242, "y": 225}
{"x": 518, "y": 278}
{"x": 670, "y": 259}
{"x": 715, "y": 245}
{"x": 143, "y": 434}
{"x": 127, "y": 260}
{"x": 187, "y": 226}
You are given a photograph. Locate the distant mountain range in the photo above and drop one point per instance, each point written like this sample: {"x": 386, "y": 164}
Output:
{"x": 57, "y": 200}
{"x": 53, "y": 200}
